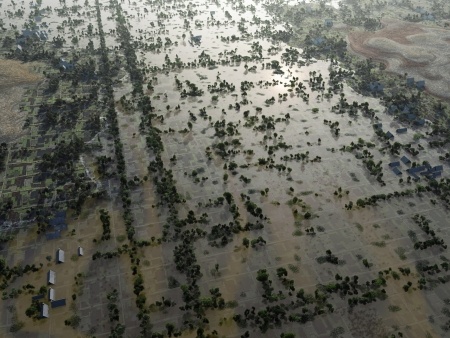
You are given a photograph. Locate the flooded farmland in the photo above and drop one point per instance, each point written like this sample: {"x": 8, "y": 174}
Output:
{"x": 237, "y": 168}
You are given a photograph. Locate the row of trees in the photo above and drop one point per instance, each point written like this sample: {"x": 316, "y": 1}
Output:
{"x": 3, "y": 155}
{"x": 117, "y": 329}
{"x": 424, "y": 224}
{"x": 302, "y": 307}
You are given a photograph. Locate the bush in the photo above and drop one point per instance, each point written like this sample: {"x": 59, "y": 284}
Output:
{"x": 173, "y": 283}
{"x": 73, "y": 321}
{"x": 16, "y": 326}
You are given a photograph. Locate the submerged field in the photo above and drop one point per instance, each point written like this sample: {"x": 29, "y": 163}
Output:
{"x": 228, "y": 169}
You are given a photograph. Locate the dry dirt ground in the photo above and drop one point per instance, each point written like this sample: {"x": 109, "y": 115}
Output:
{"x": 14, "y": 77}
{"x": 421, "y": 51}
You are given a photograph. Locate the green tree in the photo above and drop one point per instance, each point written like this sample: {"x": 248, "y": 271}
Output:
{"x": 287, "y": 335}
{"x": 262, "y": 275}
{"x": 281, "y": 272}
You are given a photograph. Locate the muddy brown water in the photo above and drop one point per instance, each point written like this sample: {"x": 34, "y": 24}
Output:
{"x": 313, "y": 183}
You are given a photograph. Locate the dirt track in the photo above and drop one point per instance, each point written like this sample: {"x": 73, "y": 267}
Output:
{"x": 413, "y": 48}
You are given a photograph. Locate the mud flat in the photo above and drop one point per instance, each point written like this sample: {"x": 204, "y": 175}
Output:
{"x": 412, "y": 48}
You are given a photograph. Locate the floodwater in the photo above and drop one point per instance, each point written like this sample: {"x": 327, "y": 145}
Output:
{"x": 293, "y": 123}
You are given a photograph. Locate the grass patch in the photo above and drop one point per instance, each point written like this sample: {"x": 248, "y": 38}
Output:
{"x": 231, "y": 304}
{"x": 321, "y": 259}
{"x": 412, "y": 235}
{"x": 401, "y": 253}
{"x": 297, "y": 232}
{"x": 394, "y": 308}
{"x": 380, "y": 244}
{"x": 359, "y": 227}
{"x": 293, "y": 268}
{"x": 172, "y": 282}
{"x": 395, "y": 275}
{"x": 121, "y": 238}
{"x": 336, "y": 332}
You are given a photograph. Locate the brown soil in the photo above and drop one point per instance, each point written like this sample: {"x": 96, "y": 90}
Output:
{"x": 402, "y": 34}
{"x": 395, "y": 30}
{"x": 399, "y": 30}
{"x": 14, "y": 77}
{"x": 14, "y": 73}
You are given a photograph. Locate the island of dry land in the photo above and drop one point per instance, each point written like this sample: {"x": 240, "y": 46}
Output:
{"x": 15, "y": 78}
{"x": 419, "y": 50}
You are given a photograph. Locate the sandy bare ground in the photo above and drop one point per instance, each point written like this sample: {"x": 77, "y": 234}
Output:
{"x": 421, "y": 51}
{"x": 14, "y": 77}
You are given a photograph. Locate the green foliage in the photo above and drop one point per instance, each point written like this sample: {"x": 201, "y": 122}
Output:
{"x": 121, "y": 238}
{"x": 401, "y": 253}
{"x": 380, "y": 244}
{"x": 281, "y": 272}
{"x": 172, "y": 282}
{"x": 297, "y": 232}
{"x": 105, "y": 218}
{"x": 262, "y": 275}
{"x": 366, "y": 263}
{"x": 394, "y": 308}
{"x": 287, "y": 335}
{"x": 336, "y": 332}
{"x": 3, "y": 155}
{"x": 293, "y": 268}
{"x": 74, "y": 321}
{"x": 17, "y": 326}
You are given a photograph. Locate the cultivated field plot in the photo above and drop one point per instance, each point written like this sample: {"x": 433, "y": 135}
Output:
{"x": 222, "y": 169}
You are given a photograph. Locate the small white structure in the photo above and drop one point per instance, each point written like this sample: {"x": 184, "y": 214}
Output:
{"x": 60, "y": 256}
{"x": 80, "y": 251}
{"x": 51, "y": 294}
{"x": 44, "y": 310}
{"x": 65, "y": 65}
{"x": 51, "y": 276}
